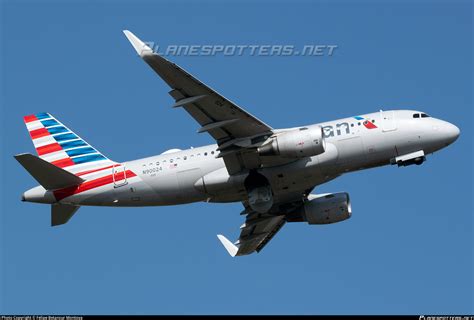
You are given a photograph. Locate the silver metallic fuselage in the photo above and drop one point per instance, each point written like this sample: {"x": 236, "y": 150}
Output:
{"x": 198, "y": 175}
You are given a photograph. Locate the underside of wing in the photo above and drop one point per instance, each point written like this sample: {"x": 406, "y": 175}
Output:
{"x": 255, "y": 233}
{"x": 259, "y": 228}
{"x": 232, "y": 127}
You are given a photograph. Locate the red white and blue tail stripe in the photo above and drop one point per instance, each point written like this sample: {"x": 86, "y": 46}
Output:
{"x": 55, "y": 143}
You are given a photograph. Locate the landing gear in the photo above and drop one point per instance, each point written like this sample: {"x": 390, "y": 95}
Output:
{"x": 417, "y": 157}
{"x": 260, "y": 195}
{"x": 418, "y": 161}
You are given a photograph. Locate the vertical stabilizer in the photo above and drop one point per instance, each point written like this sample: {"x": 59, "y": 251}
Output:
{"x": 58, "y": 145}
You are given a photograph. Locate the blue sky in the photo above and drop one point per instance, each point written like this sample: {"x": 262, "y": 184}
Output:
{"x": 408, "y": 247}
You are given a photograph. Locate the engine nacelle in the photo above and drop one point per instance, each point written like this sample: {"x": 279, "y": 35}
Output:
{"x": 299, "y": 143}
{"x": 327, "y": 208}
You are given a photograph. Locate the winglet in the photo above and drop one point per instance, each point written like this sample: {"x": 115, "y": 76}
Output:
{"x": 229, "y": 246}
{"x": 140, "y": 47}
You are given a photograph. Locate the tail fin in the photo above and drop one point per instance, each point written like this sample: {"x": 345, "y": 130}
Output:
{"x": 58, "y": 145}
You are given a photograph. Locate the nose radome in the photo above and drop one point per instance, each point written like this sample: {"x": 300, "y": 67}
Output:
{"x": 452, "y": 132}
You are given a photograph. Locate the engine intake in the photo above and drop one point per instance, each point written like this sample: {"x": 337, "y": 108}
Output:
{"x": 327, "y": 208}
{"x": 299, "y": 143}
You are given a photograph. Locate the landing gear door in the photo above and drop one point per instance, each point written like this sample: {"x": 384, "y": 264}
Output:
{"x": 119, "y": 175}
{"x": 389, "y": 122}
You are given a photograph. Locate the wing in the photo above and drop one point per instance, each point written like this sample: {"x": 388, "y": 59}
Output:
{"x": 255, "y": 233}
{"x": 233, "y": 128}
{"x": 260, "y": 228}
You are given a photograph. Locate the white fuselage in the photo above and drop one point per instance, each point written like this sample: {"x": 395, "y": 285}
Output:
{"x": 196, "y": 174}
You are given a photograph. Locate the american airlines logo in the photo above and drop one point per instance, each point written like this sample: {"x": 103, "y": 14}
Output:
{"x": 345, "y": 128}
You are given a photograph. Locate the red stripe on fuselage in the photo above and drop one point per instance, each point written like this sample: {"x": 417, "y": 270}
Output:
{"x": 66, "y": 162}
{"x": 30, "y": 118}
{"x": 94, "y": 170}
{"x": 48, "y": 148}
{"x": 38, "y": 133}
{"x": 88, "y": 185}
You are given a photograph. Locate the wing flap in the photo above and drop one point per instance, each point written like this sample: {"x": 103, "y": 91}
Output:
{"x": 255, "y": 233}
{"x": 261, "y": 232}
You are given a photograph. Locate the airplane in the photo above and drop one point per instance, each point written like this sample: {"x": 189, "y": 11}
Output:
{"x": 272, "y": 172}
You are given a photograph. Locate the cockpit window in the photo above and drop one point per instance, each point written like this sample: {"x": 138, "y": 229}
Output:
{"x": 424, "y": 115}
{"x": 416, "y": 115}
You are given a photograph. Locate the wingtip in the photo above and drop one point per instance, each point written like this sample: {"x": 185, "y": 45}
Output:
{"x": 231, "y": 248}
{"x": 140, "y": 47}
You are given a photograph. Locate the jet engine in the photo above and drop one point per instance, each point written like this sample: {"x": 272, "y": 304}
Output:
{"x": 298, "y": 143}
{"x": 327, "y": 208}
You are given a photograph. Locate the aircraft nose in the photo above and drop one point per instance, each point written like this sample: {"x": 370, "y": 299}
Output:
{"x": 451, "y": 132}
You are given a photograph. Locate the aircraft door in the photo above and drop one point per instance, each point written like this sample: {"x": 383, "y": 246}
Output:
{"x": 388, "y": 121}
{"x": 119, "y": 175}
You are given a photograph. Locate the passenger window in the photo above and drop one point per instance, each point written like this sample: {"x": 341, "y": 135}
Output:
{"x": 205, "y": 153}
{"x": 185, "y": 157}
{"x": 416, "y": 115}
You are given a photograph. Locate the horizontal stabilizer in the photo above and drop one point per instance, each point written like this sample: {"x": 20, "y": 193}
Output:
{"x": 61, "y": 213}
{"x": 47, "y": 174}
{"x": 229, "y": 246}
